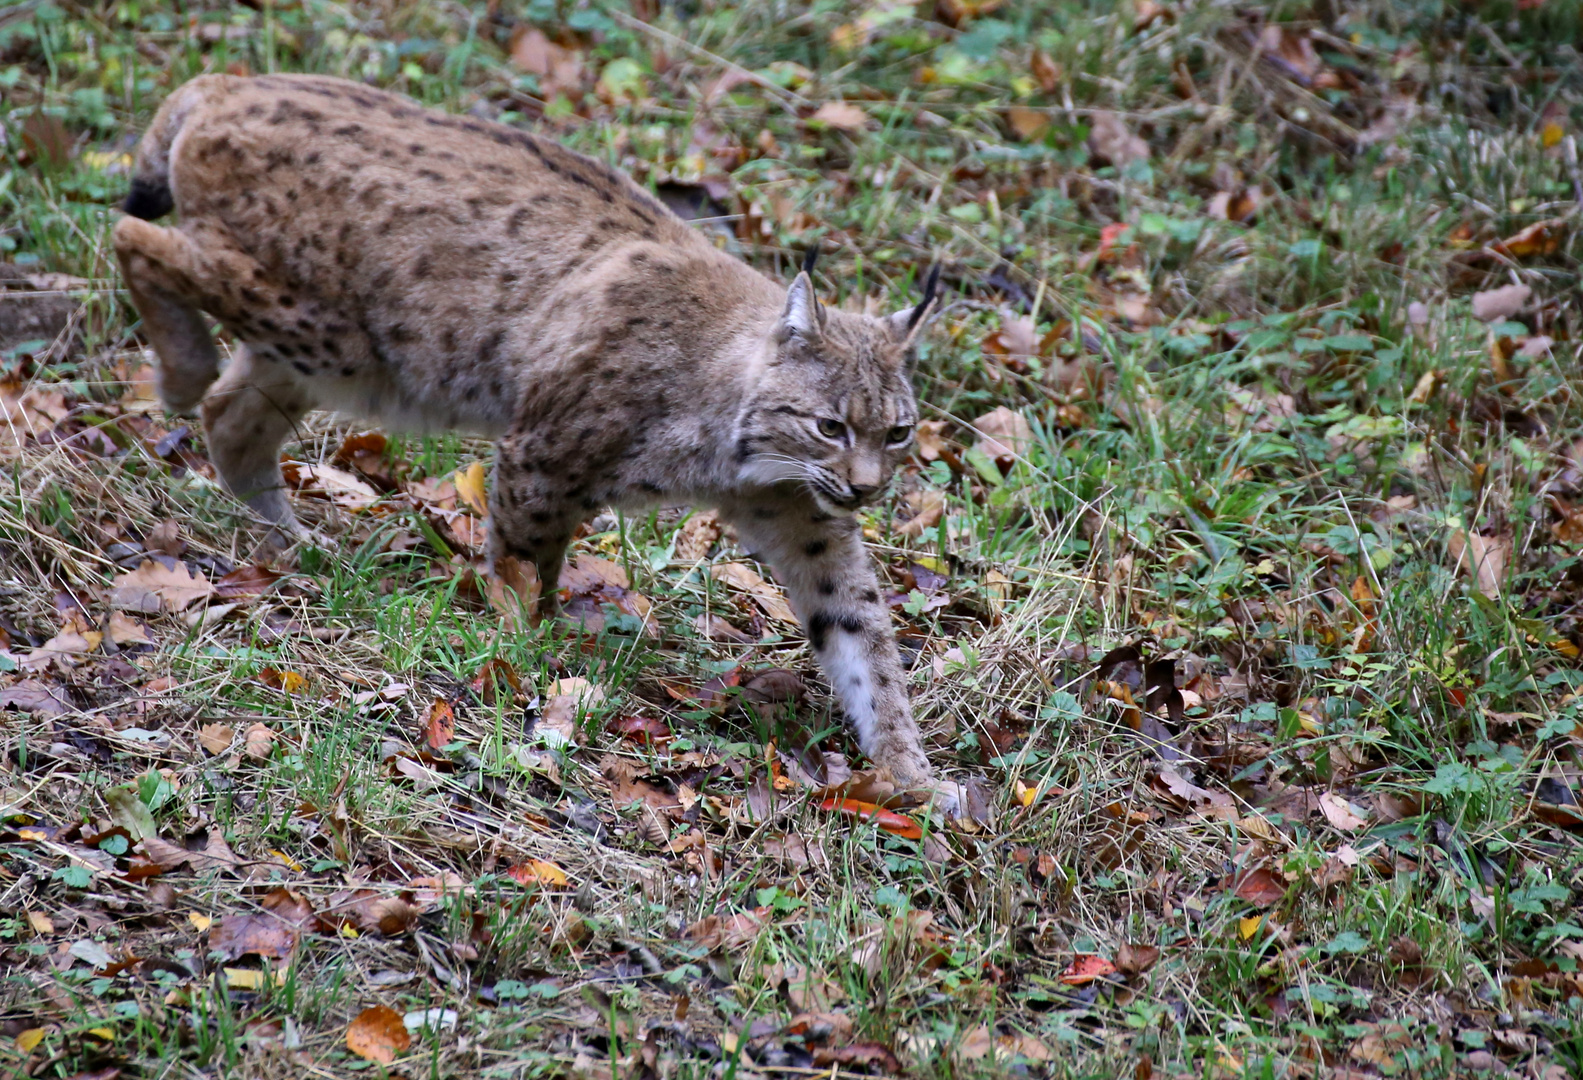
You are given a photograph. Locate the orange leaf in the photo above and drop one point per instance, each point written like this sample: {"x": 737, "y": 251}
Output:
{"x": 440, "y": 725}
{"x": 1259, "y": 887}
{"x": 378, "y": 1034}
{"x": 1085, "y": 968}
{"x": 537, "y": 872}
{"x": 889, "y": 820}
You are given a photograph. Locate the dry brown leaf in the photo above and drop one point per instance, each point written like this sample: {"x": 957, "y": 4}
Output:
{"x": 1340, "y": 813}
{"x": 767, "y": 596}
{"x": 1046, "y": 72}
{"x": 1110, "y": 139}
{"x": 715, "y": 628}
{"x": 258, "y": 742}
{"x": 1027, "y": 124}
{"x": 728, "y": 931}
{"x": 216, "y": 738}
{"x": 327, "y": 482}
{"x": 33, "y": 696}
{"x": 841, "y": 115}
{"x": 931, "y": 439}
{"x": 125, "y": 630}
{"x": 471, "y": 488}
{"x": 65, "y": 650}
{"x": 1004, "y": 435}
{"x": 1484, "y": 558}
{"x": 1503, "y": 303}
{"x": 378, "y": 1034}
{"x": 558, "y": 69}
{"x": 513, "y": 590}
{"x": 153, "y": 586}
{"x": 236, "y": 936}
{"x": 697, "y": 535}
{"x": 928, "y": 507}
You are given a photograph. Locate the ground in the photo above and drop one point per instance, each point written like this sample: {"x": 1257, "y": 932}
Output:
{"x": 1238, "y": 567}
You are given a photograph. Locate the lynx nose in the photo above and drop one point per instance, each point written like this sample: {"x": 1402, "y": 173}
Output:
{"x": 862, "y": 492}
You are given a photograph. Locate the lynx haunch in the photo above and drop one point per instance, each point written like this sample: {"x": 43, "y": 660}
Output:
{"x": 435, "y": 272}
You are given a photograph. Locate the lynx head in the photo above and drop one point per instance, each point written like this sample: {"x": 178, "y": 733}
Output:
{"x": 833, "y": 410}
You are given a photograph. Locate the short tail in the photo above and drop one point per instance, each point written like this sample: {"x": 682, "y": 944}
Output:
{"x": 151, "y": 196}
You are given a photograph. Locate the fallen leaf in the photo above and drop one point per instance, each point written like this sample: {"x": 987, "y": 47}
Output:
{"x": 1542, "y": 238}
{"x": 640, "y": 729}
{"x": 889, "y": 820}
{"x": 27, "y": 1040}
{"x": 537, "y": 872}
{"x": 559, "y": 70}
{"x": 1484, "y": 558}
{"x": 841, "y": 115}
{"x": 236, "y": 936}
{"x": 1340, "y": 813}
{"x": 767, "y": 596}
{"x": 1004, "y": 435}
{"x": 65, "y": 650}
{"x": 1046, "y": 72}
{"x": 513, "y": 590}
{"x": 1503, "y": 303}
{"x": 154, "y": 586}
{"x": 1027, "y": 124}
{"x": 216, "y": 738}
{"x": 327, "y": 482}
{"x": 697, "y": 535}
{"x": 715, "y": 628}
{"x": 471, "y": 488}
{"x": 378, "y": 1034}
{"x": 1132, "y": 960}
{"x": 1259, "y": 887}
{"x": 130, "y": 813}
{"x": 439, "y": 725}
{"x": 258, "y": 741}
{"x": 1112, "y": 142}
{"x": 728, "y": 931}
{"x": 40, "y": 923}
{"x": 927, "y": 506}
{"x": 246, "y": 581}
{"x": 32, "y": 696}
{"x": 1085, "y": 968}
{"x": 125, "y": 630}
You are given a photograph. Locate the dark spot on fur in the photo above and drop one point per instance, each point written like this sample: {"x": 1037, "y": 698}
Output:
{"x": 300, "y": 366}
{"x": 869, "y": 596}
{"x": 814, "y": 548}
{"x": 287, "y": 300}
{"x": 826, "y": 587}
{"x": 763, "y": 513}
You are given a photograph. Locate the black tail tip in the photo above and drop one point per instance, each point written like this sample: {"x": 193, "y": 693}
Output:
{"x": 148, "y": 199}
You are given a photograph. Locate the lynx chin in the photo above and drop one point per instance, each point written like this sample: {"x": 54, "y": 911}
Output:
{"x": 435, "y": 272}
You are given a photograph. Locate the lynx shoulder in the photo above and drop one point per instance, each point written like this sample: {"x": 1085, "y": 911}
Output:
{"x": 432, "y": 272}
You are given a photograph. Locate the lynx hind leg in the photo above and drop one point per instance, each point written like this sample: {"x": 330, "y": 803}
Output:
{"x": 532, "y": 513}
{"x": 247, "y": 416}
{"x": 159, "y": 266}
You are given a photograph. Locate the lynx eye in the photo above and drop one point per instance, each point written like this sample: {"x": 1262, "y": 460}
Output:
{"x": 898, "y": 434}
{"x": 832, "y": 429}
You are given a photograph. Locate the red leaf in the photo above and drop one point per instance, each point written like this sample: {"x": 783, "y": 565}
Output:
{"x": 1085, "y": 968}
{"x": 439, "y": 727}
{"x": 1259, "y": 887}
{"x": 889, "y": 820}
{"x": 644, "y": 730}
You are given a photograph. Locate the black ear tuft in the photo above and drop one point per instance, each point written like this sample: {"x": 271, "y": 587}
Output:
{"x": 929, "y": 286}
{"x": 810, "y": 257}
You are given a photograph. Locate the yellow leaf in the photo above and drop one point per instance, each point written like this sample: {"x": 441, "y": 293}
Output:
{"x": 286, "y": 860}
{"x": 200, "y": 923}
{"x": 104, "y": 1033}
{"x": 244, "y": 978}
{"x": 28, "y": 1039}
{"x": 1246, "y": 928}
{"x": 1551, "y": 134}
{"x": 291, "y": 682}
{"x": 541, "y": 871}
{"x": 470, "y": 488}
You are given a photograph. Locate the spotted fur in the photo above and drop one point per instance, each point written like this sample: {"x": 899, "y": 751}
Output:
{"x": 436, "y": 272}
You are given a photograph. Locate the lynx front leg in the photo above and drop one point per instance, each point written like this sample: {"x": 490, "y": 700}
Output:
{"x": 531, "y": 514}
{"x": 822, "y": 564}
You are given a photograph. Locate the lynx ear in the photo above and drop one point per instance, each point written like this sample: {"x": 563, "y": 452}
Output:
{"x": 905, "y": 324}
{"x": 802, "y": 316}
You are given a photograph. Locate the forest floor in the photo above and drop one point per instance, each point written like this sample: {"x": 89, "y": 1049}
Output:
{"x": 1238, "y": 567}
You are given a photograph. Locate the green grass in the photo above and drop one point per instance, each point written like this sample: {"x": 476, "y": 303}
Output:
{"x": 1254, "y": 454}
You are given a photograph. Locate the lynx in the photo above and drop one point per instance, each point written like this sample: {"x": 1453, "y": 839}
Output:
{"x": 436, "y": 272}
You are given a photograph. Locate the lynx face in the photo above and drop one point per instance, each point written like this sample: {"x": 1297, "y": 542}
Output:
{"x": 836, "y": 412}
